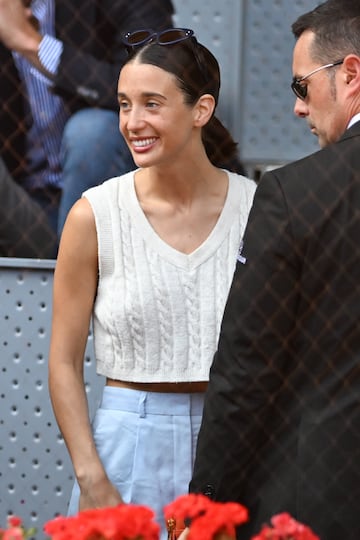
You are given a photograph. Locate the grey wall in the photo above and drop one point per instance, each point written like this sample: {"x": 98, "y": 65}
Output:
{"x": 35, "y": 471}
{"x": 253, "y": 43}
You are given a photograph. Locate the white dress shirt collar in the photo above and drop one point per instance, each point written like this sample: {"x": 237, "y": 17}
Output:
{"x": 354, "y": 119}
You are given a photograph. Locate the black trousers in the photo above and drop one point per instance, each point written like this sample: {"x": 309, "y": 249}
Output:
{"x": 25, "y": 230}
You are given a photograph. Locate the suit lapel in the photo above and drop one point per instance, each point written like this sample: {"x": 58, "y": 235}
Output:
{"x": 353, "y": 131}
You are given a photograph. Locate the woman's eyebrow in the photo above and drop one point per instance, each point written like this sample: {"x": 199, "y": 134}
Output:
{"x": 144, "y": 94}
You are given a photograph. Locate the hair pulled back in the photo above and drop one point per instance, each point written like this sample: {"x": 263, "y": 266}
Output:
{"x": 197, "y": 72}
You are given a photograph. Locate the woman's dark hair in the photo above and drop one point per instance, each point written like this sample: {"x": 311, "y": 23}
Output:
{"x": 197, "y": 72}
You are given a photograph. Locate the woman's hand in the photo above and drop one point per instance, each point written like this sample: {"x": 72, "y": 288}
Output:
{"x": 98, "y": 494}
{"x": 184, "y": 534}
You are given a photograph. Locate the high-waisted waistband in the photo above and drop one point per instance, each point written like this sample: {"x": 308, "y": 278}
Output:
{"x": 138, "y": 401}
{"x": 172, "y": 388}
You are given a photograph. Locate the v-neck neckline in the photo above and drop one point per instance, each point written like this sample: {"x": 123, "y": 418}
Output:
{"x": 165, "y": 250}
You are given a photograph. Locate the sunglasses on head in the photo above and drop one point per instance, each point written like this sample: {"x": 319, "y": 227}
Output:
{"x": 138, "y": 38}
{"x": 299, "y": 89}
{"x": 170, "y": 36}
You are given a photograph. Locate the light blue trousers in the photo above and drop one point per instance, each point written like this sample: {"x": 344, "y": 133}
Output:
{"x": 147, "y": 442}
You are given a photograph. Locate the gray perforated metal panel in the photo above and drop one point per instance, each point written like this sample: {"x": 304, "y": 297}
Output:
{"x": 268, "y": 131}
{"x": 35, "y": 471}
{"x": 253, "y": 43}
{"x": 219, "y": 26}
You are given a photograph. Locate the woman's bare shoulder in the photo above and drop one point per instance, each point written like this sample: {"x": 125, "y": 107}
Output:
{"x": 79, "y": 233}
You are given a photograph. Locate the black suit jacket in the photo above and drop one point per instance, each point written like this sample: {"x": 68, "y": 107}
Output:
{"x": 281, "y": 425}
{"x": 91, "y": 31}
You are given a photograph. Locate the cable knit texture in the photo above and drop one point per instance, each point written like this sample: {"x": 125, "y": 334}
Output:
{"x": 158, "y": 311}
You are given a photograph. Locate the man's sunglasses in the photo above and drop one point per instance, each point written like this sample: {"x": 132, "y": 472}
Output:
{"x": 138, "y": 38}
{"x": 300, "y": 90}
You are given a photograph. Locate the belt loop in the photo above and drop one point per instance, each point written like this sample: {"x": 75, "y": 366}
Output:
{"x": 142, "y": 405}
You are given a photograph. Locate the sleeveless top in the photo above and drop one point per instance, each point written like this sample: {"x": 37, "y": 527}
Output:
{"x": 158, "y": 311}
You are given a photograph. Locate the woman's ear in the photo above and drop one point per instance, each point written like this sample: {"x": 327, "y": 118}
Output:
{"x": 203, "y": 110}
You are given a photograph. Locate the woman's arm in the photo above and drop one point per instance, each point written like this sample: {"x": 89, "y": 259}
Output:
{"x": 75, "y": 284}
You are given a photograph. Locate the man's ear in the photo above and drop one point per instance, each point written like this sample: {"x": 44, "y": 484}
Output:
{"x": 351, "y": 73}
{"x": 203, "y": 110}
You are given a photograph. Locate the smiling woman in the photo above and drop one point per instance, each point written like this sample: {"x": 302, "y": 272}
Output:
{"x": 195, "y": 72}
{"x": 152, "y": 255}
{"x": 151, "y": 106}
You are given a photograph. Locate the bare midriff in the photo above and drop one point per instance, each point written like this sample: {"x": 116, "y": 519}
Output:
{"x": 166, "y": 387}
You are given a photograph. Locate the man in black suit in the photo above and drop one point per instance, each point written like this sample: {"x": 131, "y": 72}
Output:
{"x": 281, "y": 424}
{"x": 59, "y": 134}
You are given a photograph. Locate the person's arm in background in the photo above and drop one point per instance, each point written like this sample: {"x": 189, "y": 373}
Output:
{"x": 77, "y": 72}
{"x": 75, "y": 285}
{"x": 252, "y": 357}
{"x": 17, "y": 31}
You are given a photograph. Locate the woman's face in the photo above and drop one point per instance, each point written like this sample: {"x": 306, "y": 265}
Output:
{"x": 154, "y": 120}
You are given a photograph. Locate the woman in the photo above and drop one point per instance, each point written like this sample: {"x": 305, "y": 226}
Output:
{"x": 151, "y": 255}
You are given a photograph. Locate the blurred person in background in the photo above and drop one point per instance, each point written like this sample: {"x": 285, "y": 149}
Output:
{"x": 150, "y": 255}
{"x": 59, "y": 135}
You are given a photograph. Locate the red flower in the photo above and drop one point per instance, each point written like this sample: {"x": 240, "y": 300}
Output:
{"x": 15, "y": 530}
{"x": 15, "y": 533}
{"x": 14, "y": 521}
{"x": 132, "y": 522}
{"x": 207, "y": 517}
{"x": 122, "y": 522}
{"x": 285, "y": 527}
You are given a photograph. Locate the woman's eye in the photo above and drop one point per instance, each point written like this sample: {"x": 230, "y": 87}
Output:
{"x": 123, "y": 105}
{"x": 152, "y": 104}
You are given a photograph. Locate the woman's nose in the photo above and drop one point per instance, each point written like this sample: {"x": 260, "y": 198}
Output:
{"x": 135, "y": 119}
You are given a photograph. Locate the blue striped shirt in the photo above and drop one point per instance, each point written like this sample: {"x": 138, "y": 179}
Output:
{"x": 46, "y": 113}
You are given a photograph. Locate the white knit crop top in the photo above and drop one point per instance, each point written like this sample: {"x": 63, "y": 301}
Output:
{"x": 158, "y": 311}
